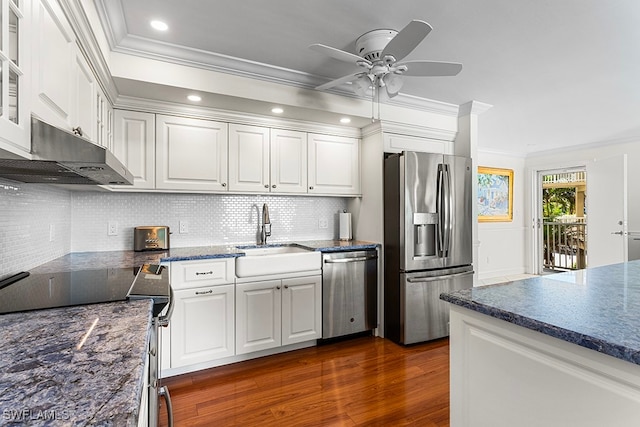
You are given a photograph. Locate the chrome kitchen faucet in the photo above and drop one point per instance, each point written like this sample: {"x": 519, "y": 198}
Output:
{"x": 266, "y": 225}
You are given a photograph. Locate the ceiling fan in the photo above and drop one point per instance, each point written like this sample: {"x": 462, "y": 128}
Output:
{"x": 379, "y": 53}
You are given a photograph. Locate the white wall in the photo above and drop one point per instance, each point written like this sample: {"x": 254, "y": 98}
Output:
{"x": 581, "y": 156}
{"x": 501, "y": 245}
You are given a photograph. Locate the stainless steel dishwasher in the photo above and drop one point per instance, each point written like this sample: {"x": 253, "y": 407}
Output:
{"x": 349, "y": 292}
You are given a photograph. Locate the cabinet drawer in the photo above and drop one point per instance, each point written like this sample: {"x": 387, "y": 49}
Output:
{"x": 189, "y": 274}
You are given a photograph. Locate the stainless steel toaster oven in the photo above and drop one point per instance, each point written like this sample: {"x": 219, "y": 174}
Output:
{"x": 153, "y": 237}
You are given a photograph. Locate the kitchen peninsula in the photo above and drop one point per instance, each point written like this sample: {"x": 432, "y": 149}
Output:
{"x": 557, "y": 350}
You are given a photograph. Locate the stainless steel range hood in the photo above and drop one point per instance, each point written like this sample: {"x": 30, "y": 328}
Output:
{"x": 60, "y": 157}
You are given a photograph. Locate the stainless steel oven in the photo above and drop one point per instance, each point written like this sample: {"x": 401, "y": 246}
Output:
{"x": 152, "y": 281}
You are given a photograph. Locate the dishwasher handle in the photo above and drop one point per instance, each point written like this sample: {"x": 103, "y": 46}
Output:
{"x": 437, "y": 278}
{"x": 345, "y": 260}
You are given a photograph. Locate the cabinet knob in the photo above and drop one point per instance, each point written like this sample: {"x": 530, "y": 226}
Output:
{"x": 224, "y": 184}
{"x": 273, "y": 186}
{"x": 266, "y": 186}
{"x": 310, "y": 188}
{"x": 286, "y": 286}
{"x": 278, "y": 287}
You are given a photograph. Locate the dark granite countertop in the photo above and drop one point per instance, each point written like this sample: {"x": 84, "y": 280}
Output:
{"x": 128, "y": 259}
{"x": 597, "y": 308}
{"x": 74, "y": 366}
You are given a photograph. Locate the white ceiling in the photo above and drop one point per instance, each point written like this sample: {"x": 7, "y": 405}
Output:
{"x": 558, "y": 73}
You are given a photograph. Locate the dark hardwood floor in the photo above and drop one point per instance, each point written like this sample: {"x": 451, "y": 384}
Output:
{"x": 365, "y": 381}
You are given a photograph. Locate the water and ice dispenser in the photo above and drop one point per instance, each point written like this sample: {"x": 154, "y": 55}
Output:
{"x": 425, "y": 234}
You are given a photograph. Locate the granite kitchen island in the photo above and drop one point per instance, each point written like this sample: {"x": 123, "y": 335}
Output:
{"x": 558, "y": 350}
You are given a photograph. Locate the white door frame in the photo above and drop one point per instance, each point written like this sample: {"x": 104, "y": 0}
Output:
{"x": 536, "y": 211}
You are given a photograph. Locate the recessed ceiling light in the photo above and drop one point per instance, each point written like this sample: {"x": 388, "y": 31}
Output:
{"x": 277, "y": 110}
{"x": 194, "y": 98}
{"x": 159, "y": 25}
{"x": 345, "y": 120}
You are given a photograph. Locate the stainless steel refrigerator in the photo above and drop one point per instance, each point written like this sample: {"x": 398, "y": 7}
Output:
{"x": 427, "y": 242}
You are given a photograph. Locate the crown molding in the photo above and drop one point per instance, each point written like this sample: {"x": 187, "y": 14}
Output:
{"x": 169, "y": 108}
{"x": 473, "y": 107}
{"x": 436, "y": 134}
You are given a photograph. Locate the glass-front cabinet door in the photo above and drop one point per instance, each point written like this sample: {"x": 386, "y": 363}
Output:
{"x": 14, "y": 120}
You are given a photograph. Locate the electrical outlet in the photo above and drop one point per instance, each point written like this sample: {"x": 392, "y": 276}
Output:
{"x": 52, "y": 232}
{"x": 112, "y": 228}
{"x": 184, "y": 227}
{"x": 323, "y": 223}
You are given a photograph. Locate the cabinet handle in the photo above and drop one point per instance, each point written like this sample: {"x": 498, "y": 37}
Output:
{"x": 224, "y": 184}
{"x": 204, "y": 292}
{"x": 266, "y": 186}
{"x": 77, "y": 130}
{"x": 310, "y": 188}
{"x": 273, "y": 186}
{"x": 198, "y": 273}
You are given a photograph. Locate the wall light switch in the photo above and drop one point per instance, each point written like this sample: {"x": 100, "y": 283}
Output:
{"x": 52, "y": 232}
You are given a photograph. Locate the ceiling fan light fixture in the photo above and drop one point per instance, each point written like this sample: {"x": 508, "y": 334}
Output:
{"x": 393, "y": 83}
{"x": 362, "y": 86}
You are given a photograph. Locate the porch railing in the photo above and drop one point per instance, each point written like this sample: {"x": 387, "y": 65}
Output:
{"x": 565, "y": 245}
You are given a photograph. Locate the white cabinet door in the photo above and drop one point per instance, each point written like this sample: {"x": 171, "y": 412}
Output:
{"x": 134, "y": 145}
{"x": 248, "y": 158}
{"x": 288, "y": 161}
{"x": 334, "y": 165}
{"x": 258, "y": 310}
{"x": 301, "y": 309}
{"x": 202, "y": 325}
{"x": 15, "y": 58}
{"x": 84, "y": 95}
{"x": 54, "y": 55}
{"x": 191, "y": 154}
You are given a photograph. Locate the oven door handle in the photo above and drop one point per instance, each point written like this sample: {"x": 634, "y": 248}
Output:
{"x": 164, "y": 320}
{"x": 164, "y": 392}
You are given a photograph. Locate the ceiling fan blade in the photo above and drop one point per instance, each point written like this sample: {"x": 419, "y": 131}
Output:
{"x": 340, "y": 81}
{"x": 406, "y": 40}
{"x": 430, "y": 68}
{"x": 337, "y": 53}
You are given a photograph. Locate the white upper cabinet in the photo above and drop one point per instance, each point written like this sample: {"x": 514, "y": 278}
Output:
{"x": 14, "y": 62}
{"x": 84, "y": 95}
{"x": 64, "y": 88}
{"x": 191, "y": 154}
{"x": 263, "y": 160}
{"x": 334, "y": 165}
{"x": 288, "y": 161}
{"x": 54, "y": 59}
{"x": 134, "y": 145}
{"x": 248, "y": 158}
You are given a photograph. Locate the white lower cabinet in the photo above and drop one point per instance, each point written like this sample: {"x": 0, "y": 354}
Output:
{"x": 203, "y": 320}
{"x": 202, "y": 325}
{"x": 273, "y": 313}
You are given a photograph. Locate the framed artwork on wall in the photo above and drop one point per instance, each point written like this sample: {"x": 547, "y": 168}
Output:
{"x": 495, "y": 194}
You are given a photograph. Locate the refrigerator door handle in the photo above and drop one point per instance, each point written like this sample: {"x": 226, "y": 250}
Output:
{"x": 448, "y": 220}
{"x": 437, "y": 278}
{"x": 439, "y": 209}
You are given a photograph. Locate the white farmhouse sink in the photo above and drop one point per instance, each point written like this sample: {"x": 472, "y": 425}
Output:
{"x": 268, "y": 260}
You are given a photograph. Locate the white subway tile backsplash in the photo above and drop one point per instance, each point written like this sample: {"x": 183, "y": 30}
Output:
{"x": 35, "y": 225}
{"x": 39, "y": 222}
{"x": 212, "y": 219}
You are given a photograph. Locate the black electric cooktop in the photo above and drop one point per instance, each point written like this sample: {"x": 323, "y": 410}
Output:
{"x": 25, "y": 292}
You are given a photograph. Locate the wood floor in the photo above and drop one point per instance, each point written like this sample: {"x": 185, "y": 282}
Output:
{"x": 366, "y": 381}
